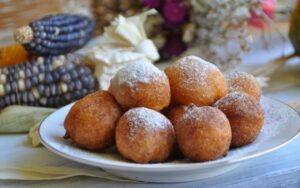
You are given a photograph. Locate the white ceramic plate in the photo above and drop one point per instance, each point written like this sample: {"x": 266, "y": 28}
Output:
{"x": 282, "y": 125}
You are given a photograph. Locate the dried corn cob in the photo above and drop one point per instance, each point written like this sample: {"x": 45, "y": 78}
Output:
{"x": 56, "y": 34}
{"x": 12, "y": 54}
{"x": 48, "y": 81}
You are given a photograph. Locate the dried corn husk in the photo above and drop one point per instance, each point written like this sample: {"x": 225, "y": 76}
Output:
{"x": 33, "y": 135}
{"x": 272, "y": 66}
{"x": 123, "y": 41}
{"x": 295, "y": 104}
{"x": 19, "y": 119}
{"x": 104, "y": 11}
{"x": 82, "y": 7}
{"x": 263, "y": 81}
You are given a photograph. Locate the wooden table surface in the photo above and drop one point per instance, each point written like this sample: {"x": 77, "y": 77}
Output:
{"x": 279, "y": 169}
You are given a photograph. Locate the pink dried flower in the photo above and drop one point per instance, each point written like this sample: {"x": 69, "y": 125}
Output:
{"x": 268, "y": 7}
{"x": 174, "y": 12}
{"x": 174, "y": 45}
{"x": 153, "y": 3}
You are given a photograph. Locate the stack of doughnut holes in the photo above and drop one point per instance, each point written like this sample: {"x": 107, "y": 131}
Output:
{"x": 151, "y": 115}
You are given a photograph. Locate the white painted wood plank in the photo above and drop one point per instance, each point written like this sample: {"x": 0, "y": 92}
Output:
{"x": 278, "y": 169}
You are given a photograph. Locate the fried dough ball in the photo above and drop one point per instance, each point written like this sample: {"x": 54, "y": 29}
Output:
{"x": 194, "y": 80}
{"x": 176, "y": 112}
{"x": 244, "y": 82}
{"x": 168, "y": 109}
{"x": 245, "y": 115}
{"x": 141, "y": 84}
{"x": 203, "y": 133}
{"x": 91, "y": 122}
{"x": 174, "y": 115}
{"x": 144, "y": 135}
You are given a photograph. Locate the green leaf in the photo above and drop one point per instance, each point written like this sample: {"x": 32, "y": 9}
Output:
{"x": 19, "y": 119}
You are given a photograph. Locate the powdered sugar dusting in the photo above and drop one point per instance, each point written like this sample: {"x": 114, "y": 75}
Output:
{"x": 241, "y": 102}
{"x": 147, "y": 119}
{"x": 238, "y": 75}
{"x": 192, "y": 113}
{"x": 275, "y": 121}
{"x": 138, "y": 71}
{"x": 206, "y": 115}
{"x": 236, "y": 80}
{"x": 195, "y": 70}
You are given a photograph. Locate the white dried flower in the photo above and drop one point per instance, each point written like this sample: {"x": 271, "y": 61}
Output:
{"x": 222, "y": 33}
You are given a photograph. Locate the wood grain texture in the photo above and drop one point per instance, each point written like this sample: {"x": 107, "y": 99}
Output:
{"x": 12, "y": 16}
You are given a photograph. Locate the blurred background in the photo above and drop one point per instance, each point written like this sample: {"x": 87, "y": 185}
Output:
{"x": 251, "y": 35}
